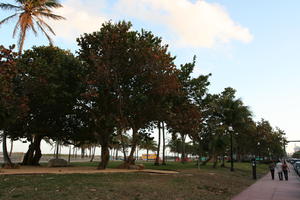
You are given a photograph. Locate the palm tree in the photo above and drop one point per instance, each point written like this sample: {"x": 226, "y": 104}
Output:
{"x": 149, "y": 144}
{"x": 31, "y": 14}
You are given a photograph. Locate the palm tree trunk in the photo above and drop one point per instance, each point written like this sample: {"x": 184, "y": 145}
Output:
{"x": 69, "y": 157}
{"x": 21, "y": 41}
{"x": 82, "y": 152}
{"x": 75, "y": 152}
{"x": 147, "y": 154}
{"x": 158, "y": 145}
{"x": 93, "y": 154}
{"x": 11, "y": 147}
{"x": 164, "y": 143}
{"x": 116, "y": 156}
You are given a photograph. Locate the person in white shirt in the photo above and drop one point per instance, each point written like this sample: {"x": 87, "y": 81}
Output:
{"x": 279, "y": 169}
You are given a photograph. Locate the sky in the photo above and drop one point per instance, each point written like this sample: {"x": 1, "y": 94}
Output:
{"x": 250, "y": 45}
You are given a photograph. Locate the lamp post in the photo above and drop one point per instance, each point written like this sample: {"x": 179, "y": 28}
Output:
{"x": 231, "y": 148}
{"x": 258, "y": 148}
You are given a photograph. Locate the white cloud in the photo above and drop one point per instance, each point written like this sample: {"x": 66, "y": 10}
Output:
{"x": 188, "y": 24}
{"x": 198, "y": 24}
{"x": 81, "y": 17}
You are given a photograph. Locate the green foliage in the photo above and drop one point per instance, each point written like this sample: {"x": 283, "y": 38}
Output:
{"x": 296, "y": 154}
{"x": 130, "y": 73}
{"x": 51, "y": 78}
{"x": 123, "y": 80}
{"x": 13, "y": 103}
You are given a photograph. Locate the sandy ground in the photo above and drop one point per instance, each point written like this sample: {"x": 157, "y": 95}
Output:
{"x": 74, "y": 170}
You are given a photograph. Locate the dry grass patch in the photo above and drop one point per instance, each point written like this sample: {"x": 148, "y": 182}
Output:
{"x": 189, "y": 184}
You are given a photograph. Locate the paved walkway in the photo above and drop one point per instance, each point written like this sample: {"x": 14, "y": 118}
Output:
{"x": 268, "y": 189}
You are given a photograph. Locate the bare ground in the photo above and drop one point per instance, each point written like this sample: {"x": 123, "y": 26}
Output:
{"x": 73, "y": 170}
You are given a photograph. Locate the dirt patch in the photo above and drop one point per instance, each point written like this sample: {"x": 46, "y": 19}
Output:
{"x": 74, "y": 170}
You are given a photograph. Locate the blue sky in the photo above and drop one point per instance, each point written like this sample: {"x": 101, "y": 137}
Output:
{"x": 252, "y": 46}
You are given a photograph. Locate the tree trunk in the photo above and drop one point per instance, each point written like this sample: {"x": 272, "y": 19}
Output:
{"x": 82, "y": 152}
{"x": 183, "y": 158}
{"x": 38, "y": 153}
{"x": 130, "y": 160}
{"x": 33, "y": 154}
{"x": 206, "y": 161}
{"x": 123, "y": 146}
{"x": 116, "y": 156}
{"x": 223, "y": 161}
{"x": 75, "y": 152}
{"x": 90, "y": 152}
{"x": 103, "y": 139}
{"x": 164, "y": 144}
{"x": 215, "y": 161}
{"x": 147, "y": 154}
{"x": 158, "y": 145}
{"x": 7, "y": 161}
{"x": 93, "y": 154}
{"x": 11, "y": 147}
{"x": 57, "y": 150}
{"x": 104, "y": 156}
{"x": 69, "y": 157}
{"x": 28, "y": 155}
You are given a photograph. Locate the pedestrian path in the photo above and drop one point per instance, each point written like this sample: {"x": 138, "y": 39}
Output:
{"x": 268, "y": 189}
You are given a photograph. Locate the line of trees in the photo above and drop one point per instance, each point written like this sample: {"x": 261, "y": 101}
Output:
{"x": 121, "y": 81}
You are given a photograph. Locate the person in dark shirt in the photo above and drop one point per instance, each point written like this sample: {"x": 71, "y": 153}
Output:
{"x": 272, "y": 169}
{"x": 285, "y": 170}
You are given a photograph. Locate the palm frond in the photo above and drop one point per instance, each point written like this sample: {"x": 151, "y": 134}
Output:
{"x": 16, "y": 28}
{"x": 49, "y": 15}
{"x": 52, "y": 4}
{"x": 33, "y": 29}
{"x": 8, "y": 6}
{"x": 43, "y": 23}
{"x": 8, "y": 18}
{"x": 46, "y": 34}
{"x": 31, "y": 14}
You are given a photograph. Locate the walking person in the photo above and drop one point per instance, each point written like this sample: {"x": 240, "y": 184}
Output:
{"x": 285, "y": 170}
{"x": 279, "y": 169}
{"x": 272, "y": 169}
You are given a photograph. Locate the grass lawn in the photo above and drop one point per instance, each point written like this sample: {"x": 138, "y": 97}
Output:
{"x": 190, "y": 183}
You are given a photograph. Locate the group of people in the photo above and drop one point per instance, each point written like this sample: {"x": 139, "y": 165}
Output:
{"x": 280, "y": 167}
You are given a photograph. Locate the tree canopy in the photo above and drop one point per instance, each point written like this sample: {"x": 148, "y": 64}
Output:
{"x": 124, "y": 82}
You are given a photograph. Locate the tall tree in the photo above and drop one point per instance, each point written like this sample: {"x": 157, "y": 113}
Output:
{"x": 13, "y": 103}
{"x": 51, "y": 78}
{"x": 129, "y": 72}
{"x": 31, "y": 15}
{"x": 185, "y": 113}
{"x": 149, "y": 144}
